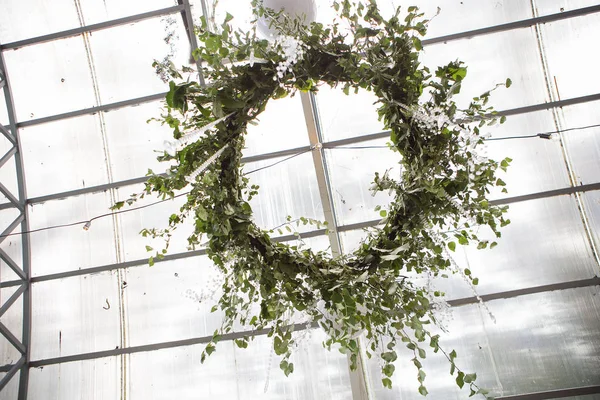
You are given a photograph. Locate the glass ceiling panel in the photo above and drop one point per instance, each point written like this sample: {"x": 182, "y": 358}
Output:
{"x": 583, "y": 145}
{"x": 352, "y": 171}
{"x": 64, "y": 155}
{"x": 490, "y": 59}
{"x": 26, "y": 19}
{"x": 90, "y": 379}
{"x": 281, "y": 126}
{"x": 50, "y": 78}
{"x": 240, "y": 374}
{"x": 591, "y": 201}
{"x": 133, "y": 245}
{"x": 163, "y": 302}
{"x": 13, "y": 320}
{"x": 75, "y": 315}
{"x": 70, "y": 248}
{"x": 462, "y": 15}
{"x": 133, "y": 140}
{"x": 289, "y": 188}
{"x": 98, "y": 11}
{"x": 545, "y": 7}
{"x": 8, "y": 174}
{"x": 3, "y": 109}
{"x": 538, "y": 164}
{"x": 123, "y": 57}
{"x": 544, "y": 244}
{"x": 11, "y": 389}
{"x": 568, "y": 45}
{"x": 555, "y": 347}
{"x": 344, "y": 116}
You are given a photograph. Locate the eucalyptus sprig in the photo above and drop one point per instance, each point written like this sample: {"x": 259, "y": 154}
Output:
{"x": 444, "y": 185}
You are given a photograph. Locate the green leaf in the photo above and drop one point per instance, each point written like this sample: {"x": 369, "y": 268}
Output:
{"x": 423, "y": 390}
{"x": 422, "y": 375}
{"x": 148, "y": 248}
{"x": 388, "y": 369}
{"x": 387, "y": 382}
{"x": 493, "y": 244}
{"x": 508, "y": 82}
{"x": 422, "y": 353}
{"x": 460, "y": 379}
{"x": 383, "y": 213}
{"x": 151, "y": 261}
{"x": 469, "y": 378}
{"x": 452, "y": 246}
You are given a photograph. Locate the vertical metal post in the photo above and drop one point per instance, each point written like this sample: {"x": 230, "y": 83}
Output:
{"x": 22, "y": 206}
{"x": 358, "y": 378}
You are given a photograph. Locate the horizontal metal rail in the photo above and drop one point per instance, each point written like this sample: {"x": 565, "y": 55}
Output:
{"x": 525, "y": 23}
{"x": 91, "y": 28}
{"x": 10, "y": 370}
{"x": 555, "y": 394}
{"x": 237, "y": 335}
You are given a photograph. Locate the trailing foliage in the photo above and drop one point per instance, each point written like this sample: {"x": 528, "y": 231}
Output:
{"x": 441, "y": 196}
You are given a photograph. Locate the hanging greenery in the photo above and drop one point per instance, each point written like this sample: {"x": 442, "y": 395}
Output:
{"x": 440, "y": 197}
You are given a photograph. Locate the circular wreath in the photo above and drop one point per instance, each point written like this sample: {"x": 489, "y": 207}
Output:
{"x": 441, "y": 196}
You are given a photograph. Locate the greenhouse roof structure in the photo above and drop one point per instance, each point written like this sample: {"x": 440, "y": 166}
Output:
{"x": 83, "y": 316}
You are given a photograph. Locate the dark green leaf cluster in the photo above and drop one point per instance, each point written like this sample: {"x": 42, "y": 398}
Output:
{"x": 443, "y": 188}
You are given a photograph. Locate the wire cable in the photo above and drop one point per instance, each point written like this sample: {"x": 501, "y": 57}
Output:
{"x": 87, "y": 223}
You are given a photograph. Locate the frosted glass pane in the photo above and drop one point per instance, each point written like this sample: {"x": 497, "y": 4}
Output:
{"x": 567, "y": 45}
{"x": 26, "y": 19}
{"x": 281, "y": 126}
{"x": 64, "y": 155}
{"x": 69, "y": 248}
{"x": 76, "y": 315}
{"x": 591, "y": 201}
{"x": 545, "y": 7}
{"x": 544, "y": 244}
{"x": 538, "y": 164}
{"x": 352, "y": 172}
{"x": 155, "y": 216}
{"x": 462, "y": 15}
{"x": 347, "y": 116}
{"x": 3, "y": 111}
{"x": 93, "y": 379}
{"x": 124, "y": 55}
{"x": 232, "y": 373}
{"x": 50, "y": 78}
{"x": 13, "y": 321}
{"x": 490, "y": 60}
{"x": 132, "y": 140}
{"x": 583, "y": 145}
{"x": 540, "y": 342}
{"x": 288, "y": 188}
{"x": 97, "y": 11}
{"x": 163, "y": 301}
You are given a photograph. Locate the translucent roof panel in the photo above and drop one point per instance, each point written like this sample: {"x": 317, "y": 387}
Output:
{"x": 490, "y": 60}
{"x": 231, "y": 373}
{"x": 352, "y": 170}
{"x": 64, "y": 155}
{"x": 50, "y": 78}
{"x": 75, "y": 315}
{"x": 123, "y": 57}
{"x": 567, "y": 44}
{"x": 280, "y": 127}
{"x": 71, "y": 248}
{"x": 522, "y": 352}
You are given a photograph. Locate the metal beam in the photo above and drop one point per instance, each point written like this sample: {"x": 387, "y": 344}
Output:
{"x": 7, "y": 156}
{"x": 11, "y": 372}
{"x": 12, "y": 339}
{"x": 91, "y": 28}
{"x": 595, "y": 281}
{"x": 9, "y": 261}
{"x": 514, "y": 25}
{"x": 25, "y": 243}
{"x": 12, "y": 226}
{"x": 93, "y": 110}
{"x": 12, "y": 299}
{"x": 555, "y": 394}
{"x": 188, "y": 21}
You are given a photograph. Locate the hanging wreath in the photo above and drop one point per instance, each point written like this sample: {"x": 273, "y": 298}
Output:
{"x": 441, "y": 196}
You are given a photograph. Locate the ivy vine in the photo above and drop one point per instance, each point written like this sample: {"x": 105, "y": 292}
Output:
{"x": 441, "y": 196}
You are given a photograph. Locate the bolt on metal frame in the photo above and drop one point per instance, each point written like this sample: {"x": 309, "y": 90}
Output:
{"x": 311, "y": 113}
